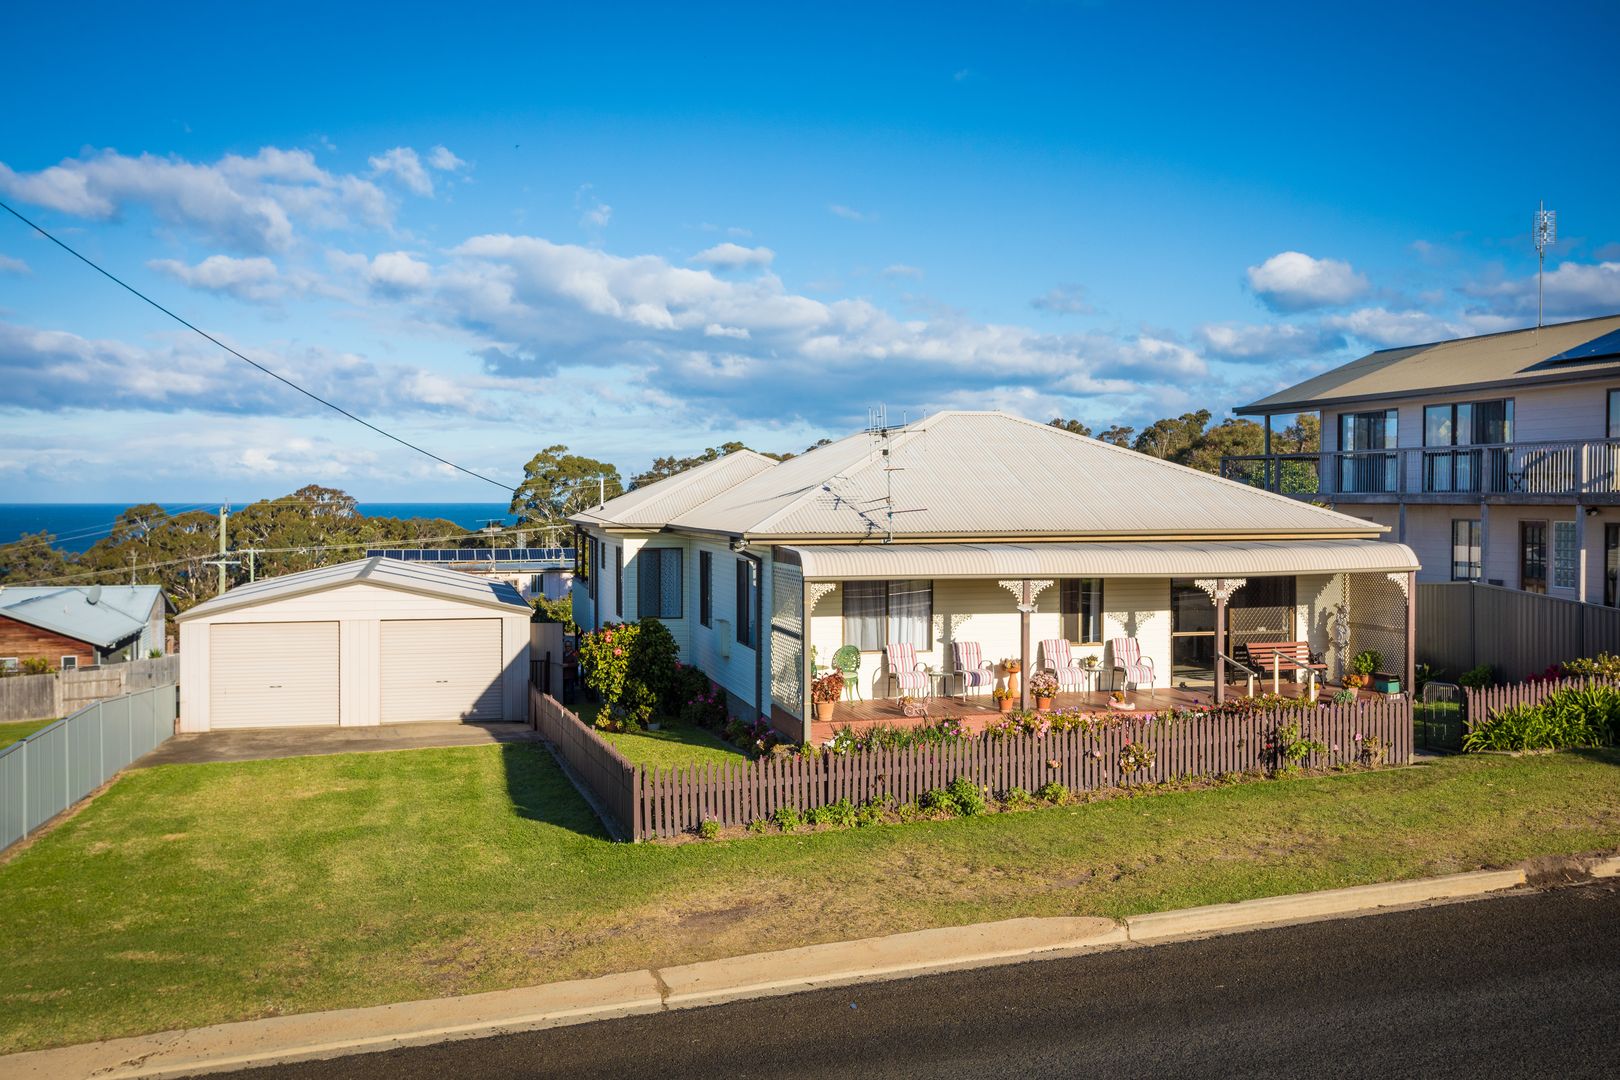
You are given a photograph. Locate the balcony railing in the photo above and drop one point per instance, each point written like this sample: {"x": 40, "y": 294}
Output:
{"x": 1588, "y": 470}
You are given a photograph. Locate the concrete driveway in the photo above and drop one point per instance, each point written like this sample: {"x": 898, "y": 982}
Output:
{"x": 259, "y": 743}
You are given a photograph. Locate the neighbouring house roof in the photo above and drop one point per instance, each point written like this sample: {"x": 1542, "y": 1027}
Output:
{"x": 989, "y": 475}
{"x": 1564, "y": 352}
{"x": 102, "y": 615}
{"x": 666, "y": 499}
{"x": 423, "y": 578}
{"x": 1101, "y": 559}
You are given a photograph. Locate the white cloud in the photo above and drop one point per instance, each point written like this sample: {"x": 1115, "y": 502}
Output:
{"x": 849, "y": 213}
{"x": 1388, "y": 329}
{"x": 1294, "y": 281}
{"x": 53, "y": 370}
{"x": 442, "y": 159}
{"x": 8, "y": 265}
{"x": 1268, "y": 341}
{"x": 1573, "y": 290}
{"x": 1064, "y": 300}
{"x": 901, "y": 270}
{"x": 406, "y": 166}
{"x": 593, "y": 212}
{"x": 729, "y": 256}
{"x": 392, "y": 273}
{"x": 255, "y": 278}
{"x": 242, "y": 203}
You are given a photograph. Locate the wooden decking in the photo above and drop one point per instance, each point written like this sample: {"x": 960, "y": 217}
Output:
{"x": 979, "y": 709}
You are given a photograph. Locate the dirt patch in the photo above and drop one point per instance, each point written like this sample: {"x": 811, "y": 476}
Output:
{"x": 714, "y": 919}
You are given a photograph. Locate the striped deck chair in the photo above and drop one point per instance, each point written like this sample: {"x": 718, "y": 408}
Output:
{"x": 1138, "y": 669}
{"x": 1070, "y": 675}
{"x": 971, "y": 667}
{"x": 905, "y": 673}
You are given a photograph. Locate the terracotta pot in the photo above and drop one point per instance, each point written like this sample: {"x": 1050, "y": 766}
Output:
{"x": 825, "y": 711}
{"x": 1043, "y": 704}
{"x": 1004, "y": 704}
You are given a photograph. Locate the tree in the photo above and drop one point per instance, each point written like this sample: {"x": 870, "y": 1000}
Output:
{"x": 1303, "y": 436}
{"x": 1119, "y": 435}
{"x": 557, "y": 483}
{"x": 31, "y": 558}
{"x": 1167, "y": 438}
{"x": 1230, "y": 436}
{"x": 1071, "y": 425}
{"x": 665, "y": 467}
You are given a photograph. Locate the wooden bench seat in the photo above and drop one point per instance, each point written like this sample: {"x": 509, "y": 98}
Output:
{"x": 1277, "y": 656}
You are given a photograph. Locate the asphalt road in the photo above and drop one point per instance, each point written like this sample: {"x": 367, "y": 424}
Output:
{"x": 1527, "y": 985}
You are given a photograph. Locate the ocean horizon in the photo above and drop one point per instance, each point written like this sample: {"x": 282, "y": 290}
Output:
{"x": 77, "y": 526}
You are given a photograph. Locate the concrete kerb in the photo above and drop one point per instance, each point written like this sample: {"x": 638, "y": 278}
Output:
{"x": 227, "y": 1047}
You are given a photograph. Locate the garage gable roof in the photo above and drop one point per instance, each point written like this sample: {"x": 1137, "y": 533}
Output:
{"x": 423, "y": 578}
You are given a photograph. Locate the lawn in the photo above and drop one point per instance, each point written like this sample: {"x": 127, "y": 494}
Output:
{"x": 196, "y": 894}
{"x": 673, "y": 744}
{"x": 13, "y": 730}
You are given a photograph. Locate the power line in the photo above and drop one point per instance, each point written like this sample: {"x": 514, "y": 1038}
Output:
{"x": 203, "y": 557}
{"x": 253, "y": 363}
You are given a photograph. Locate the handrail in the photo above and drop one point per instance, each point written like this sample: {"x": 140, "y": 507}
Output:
{"x": 1240, "y": 665}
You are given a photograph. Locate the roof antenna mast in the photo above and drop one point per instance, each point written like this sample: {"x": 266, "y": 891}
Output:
{"x": 1545, "y": 233}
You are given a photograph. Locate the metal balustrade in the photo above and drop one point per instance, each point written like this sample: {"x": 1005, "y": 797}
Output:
{"x": 1586, "y": 470}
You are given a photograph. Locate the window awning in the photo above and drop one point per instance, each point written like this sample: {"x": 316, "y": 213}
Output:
{"x": 1254, "y": 558}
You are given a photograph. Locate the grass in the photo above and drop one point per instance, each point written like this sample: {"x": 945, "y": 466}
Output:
{"x": 197, "y": 894}
{"x": 673, "y": 744}
{"x": 20, "y": 729}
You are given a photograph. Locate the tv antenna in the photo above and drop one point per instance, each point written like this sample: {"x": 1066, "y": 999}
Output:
{"x": 1545, "y": 233}
{"x": 878, "y": 430}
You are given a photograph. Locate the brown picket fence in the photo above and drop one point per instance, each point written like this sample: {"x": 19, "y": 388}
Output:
{"x": 654, "y": 803}
{"x": 1482, "y": 704}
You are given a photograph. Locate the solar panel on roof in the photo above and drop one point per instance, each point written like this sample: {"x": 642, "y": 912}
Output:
{"x": 1602, "y": 345}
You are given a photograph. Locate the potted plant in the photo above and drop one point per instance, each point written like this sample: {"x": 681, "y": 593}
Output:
{"x": 1005, "y": 696}
{"x": 1089, "y": 661}
{"x": 1362, "y": 666}
{"x": 1043, "y": 686}
{"x": 824, "y": 694}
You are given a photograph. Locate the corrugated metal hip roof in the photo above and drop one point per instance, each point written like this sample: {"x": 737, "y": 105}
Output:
{"x": 1257, "y": 558}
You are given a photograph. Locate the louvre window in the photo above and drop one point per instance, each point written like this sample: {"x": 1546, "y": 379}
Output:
{"x": 658, "y": 582}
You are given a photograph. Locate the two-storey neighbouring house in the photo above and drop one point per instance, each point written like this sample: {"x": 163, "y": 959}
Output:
{"x": 1496, "y": 458}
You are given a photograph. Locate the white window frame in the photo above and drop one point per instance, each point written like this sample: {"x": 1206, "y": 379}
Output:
{"x": 69, "y": 663}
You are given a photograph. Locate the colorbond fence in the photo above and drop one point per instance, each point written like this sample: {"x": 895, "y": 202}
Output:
{"x": 668, "y": 802}
{"x": 1493, "y": 699}
{"x": 54, "y": 768}
{"x": 1464, "y": 624}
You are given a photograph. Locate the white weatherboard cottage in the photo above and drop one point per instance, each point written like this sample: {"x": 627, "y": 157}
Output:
{"x": 980, "y": 529}
{"x": 374, "y": 641}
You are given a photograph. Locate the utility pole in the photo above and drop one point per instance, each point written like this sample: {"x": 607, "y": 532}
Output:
{"x": 601, "y": 490}
{"x": 222, "y": 562}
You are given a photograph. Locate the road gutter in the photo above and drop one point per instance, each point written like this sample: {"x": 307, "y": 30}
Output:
{"x": 312, "y": 1036}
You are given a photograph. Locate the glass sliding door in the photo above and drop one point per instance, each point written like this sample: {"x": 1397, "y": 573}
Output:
{"x": 1367, "y": 463}
{"x": 1192, "y": 634}
{"x": 1533, "y": 556}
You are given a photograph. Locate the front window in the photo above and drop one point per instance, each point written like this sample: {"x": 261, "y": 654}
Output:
{"x": 1614, "y": 414}
{"x": 658, "y": 582}
{"x": 706, "y": 588}
{"x": 878, "y": 612}
{"x": 747, "y": 594}
{"x": 70, "y": 663}
{"x": 1566, "y": 555}
{"x": 1611, "y": 565}
{"x": 1465, "y": 551}
{"x": 1081, "y": 602}
{"x": 1471, "y": 424}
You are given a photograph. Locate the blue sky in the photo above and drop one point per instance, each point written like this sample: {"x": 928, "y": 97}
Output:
{"x": 640, "y": 230}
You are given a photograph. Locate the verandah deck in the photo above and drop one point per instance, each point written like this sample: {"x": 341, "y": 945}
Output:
{"x": 977, "y": 710}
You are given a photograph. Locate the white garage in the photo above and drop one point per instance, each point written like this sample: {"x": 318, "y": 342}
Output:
{"x": 375, "y": 641}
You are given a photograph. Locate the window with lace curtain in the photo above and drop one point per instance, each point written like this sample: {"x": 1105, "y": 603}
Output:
{"x": 878, "y": 612}
{"x": 658, "y": 582}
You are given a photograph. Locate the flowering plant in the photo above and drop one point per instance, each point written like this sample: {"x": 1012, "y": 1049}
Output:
{"x": 1134, "y": 756}
{"x": 1043, "y": 684}
{"x": 1003, "y": 693}
{"x": 1012, "y": 665}
{"x": 829, "y": 687}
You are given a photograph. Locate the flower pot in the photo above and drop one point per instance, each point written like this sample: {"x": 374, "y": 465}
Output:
{"x": 825, "y": 711}
{"x": 1043, "y": 704}
{"x": 1004, "y": 704}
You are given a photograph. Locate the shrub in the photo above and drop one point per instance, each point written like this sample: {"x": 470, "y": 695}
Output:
{"x": 556, "y": 611}
{"x": 1017, "y": 798}
{"x": 758, "y": 825}
{"x": 1477, "y": 678}
{"x": 908, "y": 811}
{"x": 966, "y": 797}
{"x": 1367, "y": 661}
{"x": 604, "y": 660}
{"x": 708, "y": 828}
{"x": 702, "y": 704}
{"x": 944, "y": 732}
{"x": 1291, "y": 746}
{"x": 818, "y": 815}
{"x": 1135, "y": 756}
{"x": 1344, "y": 697}
{"x": 1574, "y": 716}
{"x": 937, "y": 801}
{"x": 841, "y": 813}
{"x": 1052, "y": 792}
{"x": 787, "y": 818}
{"x": 869, "y": 813}
{"x": 1603, "y": 666}
{"x": 655, "y": 663}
